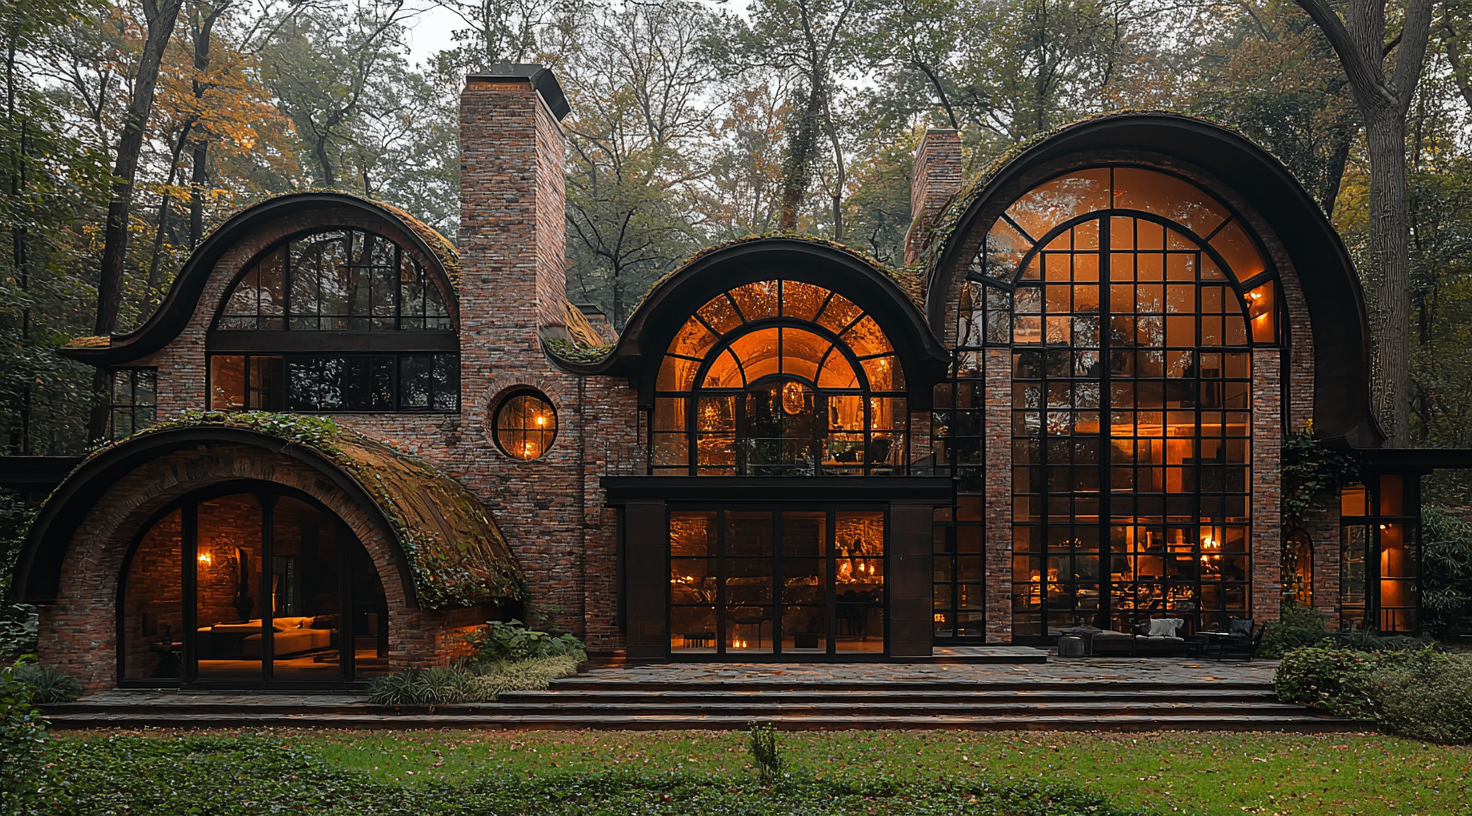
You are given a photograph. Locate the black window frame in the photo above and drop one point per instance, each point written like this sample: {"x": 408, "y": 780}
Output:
{"x": 132, "y": 407}
{"x": 504, "y": 403}
{"x": 395, "y": 376}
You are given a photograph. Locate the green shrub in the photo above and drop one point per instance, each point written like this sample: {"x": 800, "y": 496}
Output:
{"x": 512, "y": 640}
{"x": 479, "y": 682}
{"x": 23, "y": 732}
{"x": 761, "y": 743}
{"x": 1334, "y": 680}
{"x": 1425, "y": 696}
{"x": 1417, "y": 694}
{"x": 1446, "y": 573}
{"x": 1368, "y": 640}
{"x": 48, "y": 685}
{"x": 19, "y": 626}
{"x": 1296, "y": 628}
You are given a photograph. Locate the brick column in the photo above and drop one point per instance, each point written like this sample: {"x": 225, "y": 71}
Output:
{"x": 998, "y": 457}
{"x": 1267, "y": 485}
{"x": 937, "y": 180}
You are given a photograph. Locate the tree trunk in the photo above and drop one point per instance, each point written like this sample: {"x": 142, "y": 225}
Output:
{"x": 197, "y": 180}
{"x": 798, "y": 168}
{"x": 161, "y": 18}
{"x": 1389, "y": 274}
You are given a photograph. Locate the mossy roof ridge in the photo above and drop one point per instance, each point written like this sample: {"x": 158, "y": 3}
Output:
{"x": 950, "y": 218}
{"x": 454, "y": 548}
{"x": 441, "y": 246}
{"x": 903, "y": 277}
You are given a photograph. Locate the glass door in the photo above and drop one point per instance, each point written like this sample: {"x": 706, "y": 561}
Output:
{"x": 751, "y": 584}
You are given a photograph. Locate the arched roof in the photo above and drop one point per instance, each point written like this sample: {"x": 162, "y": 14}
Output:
{"x": 446, "y": 545}
{"x": 180, "y": 303}
{"x": 869, "y": 285}
{"x": 1326, "y": 275}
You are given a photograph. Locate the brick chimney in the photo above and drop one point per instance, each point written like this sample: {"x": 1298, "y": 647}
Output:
{"x": 937, "y": 181}
{"x": 512, "y": 198}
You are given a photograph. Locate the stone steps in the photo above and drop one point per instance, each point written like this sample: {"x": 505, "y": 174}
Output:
{"x": 445, "y": 718}
{"x": 581, "y": 703}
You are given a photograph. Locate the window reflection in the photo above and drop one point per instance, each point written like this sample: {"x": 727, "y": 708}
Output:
{"x": 779, "y": 378}
{"x": 1118, "y": 292}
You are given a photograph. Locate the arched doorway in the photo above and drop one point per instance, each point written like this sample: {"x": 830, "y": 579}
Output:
{"x": 249, "y": 584}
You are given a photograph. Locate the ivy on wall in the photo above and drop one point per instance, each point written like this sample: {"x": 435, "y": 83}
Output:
{"x": 1313, "y": 474}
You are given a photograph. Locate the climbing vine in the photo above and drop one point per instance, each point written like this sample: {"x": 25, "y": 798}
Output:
{"x": 1313, "y": 474}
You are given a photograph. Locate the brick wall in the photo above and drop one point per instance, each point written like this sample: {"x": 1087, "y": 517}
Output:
{"x": 79, "y": 629}
{"x": 998, "y": 455}
{"x": 937, "y": 180}
{"x": 1267, "y": 485}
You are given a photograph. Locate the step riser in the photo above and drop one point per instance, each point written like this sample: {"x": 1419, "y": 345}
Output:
{"x": 1287, "y": 724}
{"x": 523, "y": 702}
{"x": 891, "y": 686}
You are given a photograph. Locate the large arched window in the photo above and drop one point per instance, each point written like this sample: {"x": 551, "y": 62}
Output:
{"x": 775, "y": 378}
{"x": 1130, "y": 301}
{"x": 335, "y": 320}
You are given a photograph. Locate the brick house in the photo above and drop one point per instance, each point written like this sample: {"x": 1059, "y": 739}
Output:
{"x": 343, "y": 441}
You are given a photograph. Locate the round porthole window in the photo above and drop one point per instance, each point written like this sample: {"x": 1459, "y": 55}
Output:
{"x": 525, "y": 425}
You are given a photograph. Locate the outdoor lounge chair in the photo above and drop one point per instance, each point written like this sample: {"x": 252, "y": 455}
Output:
{"x": 1242, "y": 639}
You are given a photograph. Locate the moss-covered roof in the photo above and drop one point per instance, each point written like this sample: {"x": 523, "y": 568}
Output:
{"x": 452, "y": 544}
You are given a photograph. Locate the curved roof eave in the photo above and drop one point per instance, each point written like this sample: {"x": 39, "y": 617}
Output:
{"x": 178, "y": 305}
{"x": 686, "y": 289}
{"x": 446, "y": 545}
{"x": 1325, "y": 271}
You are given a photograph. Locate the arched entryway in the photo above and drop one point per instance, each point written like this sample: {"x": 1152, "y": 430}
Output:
{"x": 249, "y": 584}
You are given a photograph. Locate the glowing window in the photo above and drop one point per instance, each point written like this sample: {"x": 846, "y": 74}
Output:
{"x": 779, "y": 377}
{"x": 526, "y": 425}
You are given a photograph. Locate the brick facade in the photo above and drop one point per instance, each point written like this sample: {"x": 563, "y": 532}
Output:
{"x": 937, "y": 181}
{"x": 509, "y": 298}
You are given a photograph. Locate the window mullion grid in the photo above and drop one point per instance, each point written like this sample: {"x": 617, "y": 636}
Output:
{"x": 1106, "y": 430}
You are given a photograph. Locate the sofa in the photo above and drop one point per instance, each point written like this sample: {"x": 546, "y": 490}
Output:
{"x": 292, "y": 635}
{"x": 1151, "y": 636}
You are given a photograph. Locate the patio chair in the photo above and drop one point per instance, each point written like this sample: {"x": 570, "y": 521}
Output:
{"x": 1242, "y": 640}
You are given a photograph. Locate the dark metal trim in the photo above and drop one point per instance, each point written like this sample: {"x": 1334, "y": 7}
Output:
{"x": 224, "y": 341}
{"x": 778, "y": 489}
{"x": 542, "y": 79}
{"x": 38, "y": 571}
{"x": 1415, "y": 460}
{"x": 35, "y": 473}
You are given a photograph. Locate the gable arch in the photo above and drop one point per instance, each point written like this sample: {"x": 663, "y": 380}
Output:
{"x": 1327, "y": 334}
{"x": 230, "y": 250}
{"x": 666, "y": 308}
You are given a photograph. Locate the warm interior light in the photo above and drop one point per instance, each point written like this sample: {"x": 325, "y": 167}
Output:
{"x": 541, "y": 420}
{"x": 205, "y": 559}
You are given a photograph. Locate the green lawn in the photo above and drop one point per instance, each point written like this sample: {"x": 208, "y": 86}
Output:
{"x": 1197, "y": 773}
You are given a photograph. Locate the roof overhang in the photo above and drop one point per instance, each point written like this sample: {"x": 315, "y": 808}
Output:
{"x": 445, "y": 545}
{"x": 179, "y": 305}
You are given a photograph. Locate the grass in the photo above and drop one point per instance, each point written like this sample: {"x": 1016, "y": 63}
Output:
{"x": 1168, "y": 772}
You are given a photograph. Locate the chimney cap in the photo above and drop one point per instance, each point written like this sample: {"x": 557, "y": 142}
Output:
{"x": 541, "y": 78}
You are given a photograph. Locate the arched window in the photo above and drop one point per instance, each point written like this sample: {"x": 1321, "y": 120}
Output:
{"x": 779, "y": 377}
{"x": 336, "y": 320}
{"x": 1130, "y": 301}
